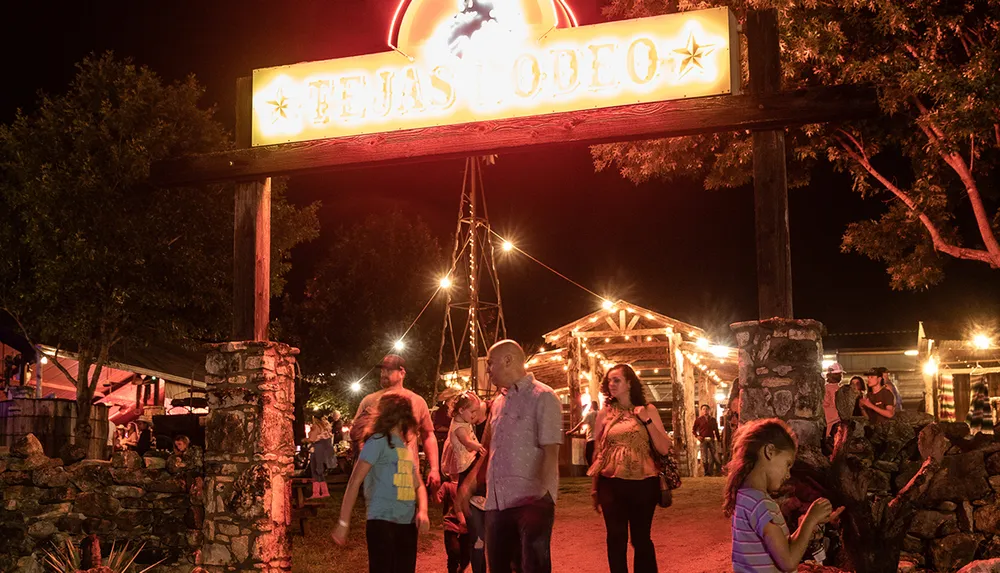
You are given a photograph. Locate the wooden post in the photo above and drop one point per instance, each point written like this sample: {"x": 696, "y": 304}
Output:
{"x": 251, "y": 238}
{"x": 774, "y": 266}
{"x": 574, "y": 353}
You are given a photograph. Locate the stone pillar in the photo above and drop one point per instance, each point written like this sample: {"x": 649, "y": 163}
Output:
{"x": 780, "y": 364}
{"x": 248, "y": 457}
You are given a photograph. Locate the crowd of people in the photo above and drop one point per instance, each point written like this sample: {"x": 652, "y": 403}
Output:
{"x": 497, "y": 476}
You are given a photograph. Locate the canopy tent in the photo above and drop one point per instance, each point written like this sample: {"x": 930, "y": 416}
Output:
{"x": 181, "y": 374}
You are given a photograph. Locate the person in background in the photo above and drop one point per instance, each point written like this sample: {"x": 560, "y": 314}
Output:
{"x": 731, "y": 421}
{"x": 394, "y": 491}
{"x": 763, "y": 453}
{"x": 887, "y": 382}
{"x": 980, "y": 416}
{"x": 588, "y": 422}
{"x": 461, "y": 447}
{"x": 880, "y": 403}
{"x": 131, "y": 436}
{"x": 336, "y": 427}
{"x": 475, "y": 516}
{"x": 392, "y": 372}
{"x": 456, "y": 532}
{"x": 834, "y": 375}
{"x": 626, "y": 483}
{"x": 521, "y": 468}
{"x": 322, "y": 457}
{"x": 181, "y": 444}
{"x": 847, "y": 398}
{"x": 145, "y": 440}
{"x": 706, "y": 429}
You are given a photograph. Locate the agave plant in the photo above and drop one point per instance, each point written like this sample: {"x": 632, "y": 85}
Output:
{"x": 67, "y": 559}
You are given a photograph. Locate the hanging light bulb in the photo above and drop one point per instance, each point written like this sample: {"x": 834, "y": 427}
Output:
{"x": 607, "y": 304}
{"x": 507, "y": 246}
{"x": 399, "y": 344}
{"x": 445, "y": 282}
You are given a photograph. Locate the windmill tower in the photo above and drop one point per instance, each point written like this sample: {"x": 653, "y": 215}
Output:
{"x": 473, "y": 318}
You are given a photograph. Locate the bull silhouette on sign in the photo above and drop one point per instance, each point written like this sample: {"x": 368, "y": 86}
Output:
{"x": 473, "y": 16}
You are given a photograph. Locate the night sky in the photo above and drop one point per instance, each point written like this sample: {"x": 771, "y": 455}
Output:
{"x": 676, "y": 249}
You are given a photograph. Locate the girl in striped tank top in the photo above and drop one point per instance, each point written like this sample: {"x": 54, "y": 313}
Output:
{"x": 763, "y": 453}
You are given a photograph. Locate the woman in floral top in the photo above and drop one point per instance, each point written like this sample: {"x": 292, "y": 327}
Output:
{"x": 626, "y": 485}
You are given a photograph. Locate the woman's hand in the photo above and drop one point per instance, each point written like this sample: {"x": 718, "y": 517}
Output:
{"x": 423, "y": 523}
{"x": 597, "y": 503}
{"x": 340, "y": 534}
{"x": 481, "y": 450}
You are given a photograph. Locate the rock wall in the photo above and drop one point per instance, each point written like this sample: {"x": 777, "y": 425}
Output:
{"x": 780, "y": 363}
{"x": 156, "y": 502}
{"x": 950, "y": 513}
{"x": 248, "y": 461}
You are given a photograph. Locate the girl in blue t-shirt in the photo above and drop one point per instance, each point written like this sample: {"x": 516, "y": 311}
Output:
{"x": 394, "y": 491}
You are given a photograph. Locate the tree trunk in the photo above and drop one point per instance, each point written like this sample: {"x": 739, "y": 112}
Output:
{"x": 83, "y": 431}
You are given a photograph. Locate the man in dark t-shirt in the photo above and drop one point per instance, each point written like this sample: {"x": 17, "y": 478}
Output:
{"x": 706, "y": 429}
{"x": 880, "y": 403}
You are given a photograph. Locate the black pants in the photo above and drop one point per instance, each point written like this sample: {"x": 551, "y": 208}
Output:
{"x": 458, "y": 548}
{"x": 392, "y": 547}
{"x": 590, "y": 452}
{"x": 628, "y": 507}
{"x": 524, "y": 531}
{"x": 476, "y": 521}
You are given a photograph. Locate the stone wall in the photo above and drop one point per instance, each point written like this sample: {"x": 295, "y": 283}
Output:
{"x": 156, "y": 502}
{"x": 249, "y": 457}
{"x": 780, "y": 363}
{"x": 950, "y": 513}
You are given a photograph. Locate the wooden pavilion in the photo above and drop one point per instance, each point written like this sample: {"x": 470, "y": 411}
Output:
{"x": 675, "y": 360}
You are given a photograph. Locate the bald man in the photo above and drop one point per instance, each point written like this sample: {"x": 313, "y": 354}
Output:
{"x": 523, "y": 435}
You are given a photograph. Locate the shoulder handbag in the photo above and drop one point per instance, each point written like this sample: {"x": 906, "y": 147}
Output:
{"x": 666, "y": 466}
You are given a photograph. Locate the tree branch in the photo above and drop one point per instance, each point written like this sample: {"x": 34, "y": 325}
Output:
{"x": 955, "y": 161}
{"x": 70, "y": 377}
{"x": 857, "y": 153}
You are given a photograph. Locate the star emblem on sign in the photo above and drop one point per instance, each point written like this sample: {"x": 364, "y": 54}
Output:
{"x": 280, "y": 103}
{"x": 692, "y": 53}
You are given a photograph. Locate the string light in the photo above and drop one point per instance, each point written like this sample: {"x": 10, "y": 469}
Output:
{"x": 355, "y": 387}
{"x": 445, "y": 282}
{"x": 507, "y": 246}
{"x": 399, "y": 345}
{"x": 931, "y": 367}
{"x": 606, "y": 305}
{"x": 981, "y": 341}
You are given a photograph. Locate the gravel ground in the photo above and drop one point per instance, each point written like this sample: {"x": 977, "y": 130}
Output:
{"x": 691, "y": 537}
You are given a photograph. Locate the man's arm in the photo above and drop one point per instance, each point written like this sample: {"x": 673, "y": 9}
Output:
{"x": 549, "y": 427}
{"x": 429, "y": 441}
{"x": 360, "y": 421}
{"x": 479, "y": 468}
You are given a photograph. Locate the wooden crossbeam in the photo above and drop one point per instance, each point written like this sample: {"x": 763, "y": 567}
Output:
{"x": 615, "y": 333}
{"x": 639, "y": 121}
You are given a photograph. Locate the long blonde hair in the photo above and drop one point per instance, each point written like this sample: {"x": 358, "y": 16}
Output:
{"x": 749, "y": 439}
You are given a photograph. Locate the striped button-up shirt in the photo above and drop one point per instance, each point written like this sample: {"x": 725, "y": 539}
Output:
{"x": 524, "y": 418}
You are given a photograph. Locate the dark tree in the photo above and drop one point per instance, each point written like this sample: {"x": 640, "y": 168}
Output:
{"x": 91, "y": 254}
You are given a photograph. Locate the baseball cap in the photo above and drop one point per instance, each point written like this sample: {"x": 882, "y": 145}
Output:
{"x": 392, "y": 362}
{"x": 835, "y": 368}
{"x": 877, "y": 371}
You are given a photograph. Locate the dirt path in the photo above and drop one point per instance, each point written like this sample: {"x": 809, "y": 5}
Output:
{"x": 691, "y": 537}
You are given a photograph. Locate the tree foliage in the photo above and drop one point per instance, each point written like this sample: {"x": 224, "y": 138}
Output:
{"x": 367, "y": 290}
{"x": 91, "y": 254}
{"x": 931, "y": 154}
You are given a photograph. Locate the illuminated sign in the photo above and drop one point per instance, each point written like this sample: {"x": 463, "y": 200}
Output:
{"x": 461, "y": 61}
